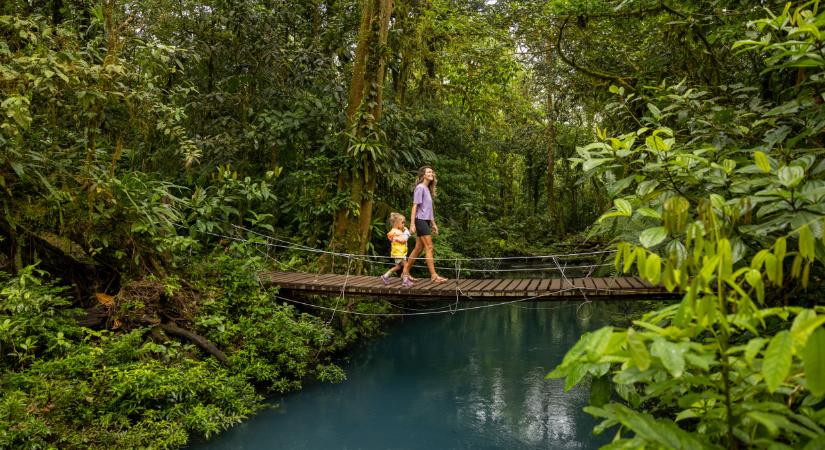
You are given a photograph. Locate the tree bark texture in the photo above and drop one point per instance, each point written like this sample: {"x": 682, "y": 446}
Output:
{"x": 351, "y": 230}
{"x": 552, "y": 207}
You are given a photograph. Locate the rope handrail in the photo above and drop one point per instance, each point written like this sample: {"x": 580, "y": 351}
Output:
{"x": 368, "y": 258}
{"x": 294, "y": 246}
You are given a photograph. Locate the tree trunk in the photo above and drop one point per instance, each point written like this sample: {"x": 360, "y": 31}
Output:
{"x": 552, "y": 208}
{"x": 351, "y": 230}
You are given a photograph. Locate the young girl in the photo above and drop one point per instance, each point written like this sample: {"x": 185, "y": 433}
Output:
{"x": 398, "y": 236}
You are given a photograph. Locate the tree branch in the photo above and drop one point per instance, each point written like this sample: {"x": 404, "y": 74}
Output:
{"x": 624, "y": 81}
{"x": 173, "y": 328}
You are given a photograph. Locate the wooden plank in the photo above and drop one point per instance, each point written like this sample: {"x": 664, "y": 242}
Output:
{"x": 526, "y": 288}
{"x": 361, "y": 281}
{"x": 477, "y": 287}
{"x": 328, "y": 278}
{"x": 465, "y": 284}
{"x": 623, "y": 284}
{"x": 471, "y": 286}
{"x": 544, "y": 286}
{"x": 555, "y": 285}
{"x": 504, "y": 288}
{"x": 281, "y": 276}
{"x": 482, "y": 288}
{"x": 507, "y": 288}
{"x": 494, "y": 288}
{"x": 486, "y": 289}
{"x": 612, "y": 284}
{"x": 636, "y": 283}
{"x": 566, "y": 283}
{"x": 292, "y": 278}
{"x": 599, "y": 284}
{"x": 521, "y": 286}
{"x": 304, "y": 280}
{"x": 533, "y": 287}
{"x": 443, "y": 288}
{"x": 571, "y": 287}
{"x": 474, "y": 287}
{"x": 423, "y": 286}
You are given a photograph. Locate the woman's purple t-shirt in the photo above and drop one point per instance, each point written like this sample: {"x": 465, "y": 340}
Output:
{"x": 422, "y": 198}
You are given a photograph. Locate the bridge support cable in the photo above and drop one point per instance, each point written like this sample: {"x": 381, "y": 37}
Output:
{"x": 343, "y": 291}
{"x": 431, "y": 312}
{"x": 581, "y": 290}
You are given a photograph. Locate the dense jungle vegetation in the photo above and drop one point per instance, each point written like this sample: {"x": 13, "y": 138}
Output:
{"x": 150, "y": 149}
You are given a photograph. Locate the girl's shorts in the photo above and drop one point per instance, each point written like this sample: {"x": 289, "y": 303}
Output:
{"x": 422, "y": 227}
{"x": 400, "y": 261}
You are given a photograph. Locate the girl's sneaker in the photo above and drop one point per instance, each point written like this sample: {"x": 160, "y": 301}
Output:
{"x": 407, "y": 282}
{"x": 385, "y": 279}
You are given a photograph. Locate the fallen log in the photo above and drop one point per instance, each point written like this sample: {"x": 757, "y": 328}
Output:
{"x": 202, "y": 342}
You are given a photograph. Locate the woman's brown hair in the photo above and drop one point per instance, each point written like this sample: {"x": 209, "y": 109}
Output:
{"x": 420, "y": 178}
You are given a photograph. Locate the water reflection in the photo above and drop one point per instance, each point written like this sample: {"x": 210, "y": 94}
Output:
{"x": 472, "y": 380}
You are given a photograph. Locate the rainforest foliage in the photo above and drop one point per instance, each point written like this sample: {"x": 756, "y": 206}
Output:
{"x": 151, "y": 151}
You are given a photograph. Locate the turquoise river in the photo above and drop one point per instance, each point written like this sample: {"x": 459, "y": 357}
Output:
{"x": 470, "y": 380}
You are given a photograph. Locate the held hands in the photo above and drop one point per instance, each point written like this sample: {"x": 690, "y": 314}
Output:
{"x": 435, "y": 229}
{"x": 412, "y": 228}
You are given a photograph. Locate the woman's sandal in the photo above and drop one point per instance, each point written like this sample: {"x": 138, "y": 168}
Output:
{"x": 438, "y": 279}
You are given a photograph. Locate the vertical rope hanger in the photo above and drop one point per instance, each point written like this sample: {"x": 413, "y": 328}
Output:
{"x": 579, "y": 288}
{"x": 343, "y": 291}
{"x": 457, "y": 290}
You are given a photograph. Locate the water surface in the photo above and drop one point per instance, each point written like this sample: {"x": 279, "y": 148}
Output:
{"x": 472, "y": 380}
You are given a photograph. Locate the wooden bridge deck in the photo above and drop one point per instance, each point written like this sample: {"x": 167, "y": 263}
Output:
{"x": 548, "y": 289}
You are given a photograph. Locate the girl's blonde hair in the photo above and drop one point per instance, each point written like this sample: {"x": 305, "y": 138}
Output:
{"x": 420, "y": 178}
{"x": 395, "y": 218}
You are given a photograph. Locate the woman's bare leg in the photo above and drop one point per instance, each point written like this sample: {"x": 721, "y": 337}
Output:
{"x": 428, "y": 250}
{"x": 411, "y": 259}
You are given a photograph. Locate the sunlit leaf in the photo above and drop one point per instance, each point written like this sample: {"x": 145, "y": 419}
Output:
{"x": 638, "y": 350}
{"x": 813, "y": 359}
{"x": 762, "y": 161}
{"x": 671, "y": 355}
{"x": 790, "y": 176}
{"x": 776, "y": 363}
{"x": 652, "y": 236}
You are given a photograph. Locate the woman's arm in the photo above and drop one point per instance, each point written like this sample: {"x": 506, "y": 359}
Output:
{"x": 412, "y": 218}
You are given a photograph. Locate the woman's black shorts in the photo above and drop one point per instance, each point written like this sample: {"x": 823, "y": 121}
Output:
{"x": 422, "y": 227}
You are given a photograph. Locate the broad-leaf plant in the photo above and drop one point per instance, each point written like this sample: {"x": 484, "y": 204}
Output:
{"x": 722, "y": 198}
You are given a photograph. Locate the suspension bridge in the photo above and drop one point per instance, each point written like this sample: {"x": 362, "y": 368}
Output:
{"x": 546, "y": 289}
{"x": 558, "y": 277}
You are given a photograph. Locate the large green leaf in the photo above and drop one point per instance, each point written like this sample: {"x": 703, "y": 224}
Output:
{"x": 653, "y": 268}
{"x": 597, "y": 343}
{"x": 813, "y": 359}
{"x": 777, "y": 361}
{"x": 623, "y": 206}
{"x": 762, "y": 161}
{"x": 591, "y": 164}
{"x": 638, "y": 350}
{"x": 662, "y": 433}
{"x": 652, "y": 236}
{"x": 671, "y": 355}
{"x": 600, "y": 391}
{"x": 790, "y": 176}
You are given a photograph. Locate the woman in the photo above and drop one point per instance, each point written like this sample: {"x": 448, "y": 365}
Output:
{"x": 423, "y": 225}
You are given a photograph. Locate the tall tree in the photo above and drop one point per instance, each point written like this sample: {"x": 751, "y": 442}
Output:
{"x": 357, "y": 180}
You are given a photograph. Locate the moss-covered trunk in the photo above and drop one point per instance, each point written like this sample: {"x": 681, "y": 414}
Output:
{"x": 351, "y": 229}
